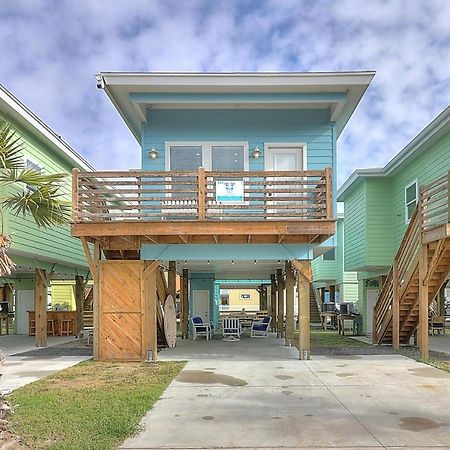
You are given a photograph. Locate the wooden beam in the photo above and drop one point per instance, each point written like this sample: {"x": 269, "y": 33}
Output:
{"x": 304, "y": 316}
{"x": 395, "y": 307}
{"x": 273, "y": 302}
{"x": 423, "y": 301}
{"x": 75, "y": 196}
{"x": 88, "y": 255}
{"x": 96, "y": 276}
{"x": 435, "y": 259}
{"x": 172, "y": 279}
{"x": 290, "y": 287}
{"x": 79, "y": 301}
{"x": 151, "y": 239}
{"x": 148, "y": 305}
{"x": 40, "y": 307}
{"x": 332, "y": 290}
{"x": 303, "y": 268}
{"x": 207, "y": 227}
{"x": 280, "y": 312}
{"x": 280, "y": 238}
{"x": 184, "y": 297}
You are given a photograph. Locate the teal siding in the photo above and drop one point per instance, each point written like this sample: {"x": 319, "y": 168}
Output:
{"x": 255, "y": 126}
{"x": 355, "y": 226}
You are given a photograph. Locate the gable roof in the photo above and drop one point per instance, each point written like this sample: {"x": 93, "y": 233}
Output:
{"x": 14, "y": 109}
{"x": 430, "y": 134}
{"x": 132, "y": 93}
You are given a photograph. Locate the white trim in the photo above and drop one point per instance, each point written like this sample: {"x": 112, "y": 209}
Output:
{"x": 412, "y": 183}
{"x": 280, "y": 145}
{"x": 206, "y": 151}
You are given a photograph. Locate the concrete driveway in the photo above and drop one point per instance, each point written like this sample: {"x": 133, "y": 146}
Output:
{"x": 374, "y": 401}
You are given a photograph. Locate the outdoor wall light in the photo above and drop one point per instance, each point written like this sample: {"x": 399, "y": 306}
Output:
{"x": 256, "y": 153}
{"x": 153, "y": 153}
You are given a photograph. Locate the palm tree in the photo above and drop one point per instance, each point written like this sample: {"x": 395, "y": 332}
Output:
{"x": 42, "y": 197}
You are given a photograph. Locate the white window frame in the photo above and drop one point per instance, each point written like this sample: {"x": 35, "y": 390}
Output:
{"x": 206, "y": 151}
{"x": 32, "y": 161}
{"x": 412, "y": 183}
{"x": 281, "y": 145}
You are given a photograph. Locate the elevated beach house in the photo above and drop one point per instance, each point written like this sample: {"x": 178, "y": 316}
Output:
{"x": 397, "y": 235}
{"x": 42, "y": 256}
{"x": 238, "y": 181}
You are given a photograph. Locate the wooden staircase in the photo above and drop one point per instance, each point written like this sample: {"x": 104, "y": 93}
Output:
{"x": 420, "y": 268}
{"x": 313, "y": 306}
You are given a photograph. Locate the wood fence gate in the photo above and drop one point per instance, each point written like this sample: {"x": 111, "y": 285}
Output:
{"x": 126, "y": 310}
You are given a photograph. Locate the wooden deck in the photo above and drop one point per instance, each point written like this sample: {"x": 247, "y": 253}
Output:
{"x": 123, "y": 210}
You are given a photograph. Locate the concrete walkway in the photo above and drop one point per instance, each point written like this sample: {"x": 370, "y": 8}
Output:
{"x": 256, "y": 394}
{"x": 18, "y": 371}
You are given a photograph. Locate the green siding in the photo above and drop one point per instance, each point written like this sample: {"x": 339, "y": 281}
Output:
{"x": 355, "y": 226}
{"x": 54, "y": 244}
{"x": 431, "y": 164}
{"x": 378, "y": 235}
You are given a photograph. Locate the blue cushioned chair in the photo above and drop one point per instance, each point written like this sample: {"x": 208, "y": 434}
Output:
{"x": 201, "y": 328}
{"x": 261, "y": 329}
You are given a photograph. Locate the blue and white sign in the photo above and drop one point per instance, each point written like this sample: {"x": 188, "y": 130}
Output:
{"x": 231, "y": 191}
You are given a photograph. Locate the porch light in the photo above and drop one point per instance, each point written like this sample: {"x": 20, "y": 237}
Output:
{"x": 256, "y": 153}
{"x": 153, "y": 153}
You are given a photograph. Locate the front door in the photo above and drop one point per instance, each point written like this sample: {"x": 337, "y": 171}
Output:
{"x": 372, "y": 295}
{"x": 200, "y": 304}
{"x": 284, "y": 157}
{"x": 24, "y": 303}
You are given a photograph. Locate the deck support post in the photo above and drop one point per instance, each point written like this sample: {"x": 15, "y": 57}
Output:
{"x": 290, "y": 287}
{"x": 149, "y": 301}
{"x": 79, "y": 300}
{"x": 185, "y": 304}
{"x": 280, "y": 285}
{"x": 304, "y": 346}
{"x": 40, "y": 307}
{"x": 273, "y": 302}
{"x": 423, "y": 301}
{"x": 395, "y": 308}
{"x": 172, "y": 280}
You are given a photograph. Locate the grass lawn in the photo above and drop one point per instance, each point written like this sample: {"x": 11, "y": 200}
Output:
{"x": 332, "y": 339}
{"x": 94, "y": 405}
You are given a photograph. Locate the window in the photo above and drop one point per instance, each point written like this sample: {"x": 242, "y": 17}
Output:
{"x": 411, "y": 196}
{"x": 224, "y": 299}
{"x": 330, "y": 255}
{"x": 218, "y": 156}
{"x": 31, "y": 165}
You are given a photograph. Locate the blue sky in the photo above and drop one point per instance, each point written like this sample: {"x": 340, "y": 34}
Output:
{"x": 52, "y": 49}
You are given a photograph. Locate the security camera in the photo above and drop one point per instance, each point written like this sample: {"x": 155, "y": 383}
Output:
{"x": 99, "y": 80}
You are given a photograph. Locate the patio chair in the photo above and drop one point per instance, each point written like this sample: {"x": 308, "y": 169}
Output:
{"x": 231, "y": 327}
{"x": 261, "y": 329}
{"x": 437, "y": 324}
{"x": 201, "y": 328}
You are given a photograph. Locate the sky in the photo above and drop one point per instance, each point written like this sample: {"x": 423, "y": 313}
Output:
{"x": 51, "y": 50}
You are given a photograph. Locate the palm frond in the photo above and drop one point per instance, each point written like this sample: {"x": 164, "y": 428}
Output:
{"x": 29, "y": 176}
{"x": 44, "y": 204}
{"x": 11, "y": 147}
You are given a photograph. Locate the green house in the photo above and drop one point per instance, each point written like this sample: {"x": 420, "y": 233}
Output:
{"x": 32, "y": 248}
{"x": 329, "y": 278}
{"x": 379, "y": 202}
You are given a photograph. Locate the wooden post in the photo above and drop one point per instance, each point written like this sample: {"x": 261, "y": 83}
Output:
{"x": 75, "y": 195}
{"x": 423, "y": 301}
{"x": 40, "y": 307}
{"x": 79, "y": 301}
{"x": 149, "y": 300}
{"x": 395, "y": 307}
{"x": 290, "y": 285}
{"x": 185, "y": 304}
{"x": 172, "y": 280}
{"x": 201, "y": 194}
{"x": 329, "y": 193}
{"x": 441, "y": 301}
{"x": 332, "y": 293}
{"x": 280, "y": 285}
{"x": 273, "y": 301}
{"x": 95, "y": 271}
{"x": 263, "y": 297}
{"x": 304, "y": 316}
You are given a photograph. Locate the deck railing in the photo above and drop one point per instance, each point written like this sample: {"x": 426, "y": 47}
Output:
{"x": 201, "y": 196}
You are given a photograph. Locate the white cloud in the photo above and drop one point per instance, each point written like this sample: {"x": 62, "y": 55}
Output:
{"x": 51, "y": 50}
